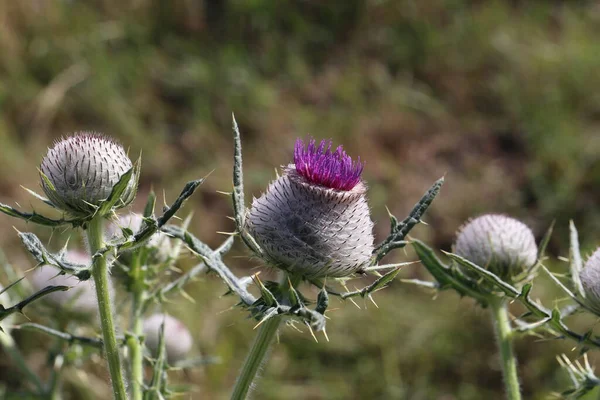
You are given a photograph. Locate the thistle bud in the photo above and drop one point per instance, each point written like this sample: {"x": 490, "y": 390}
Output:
{"x": 80, "y": 172}
{"x": 502, "y": 245}
{"x": 314, "y": 220}
{"x": 80, "y": 298}
{"x": 590, "y": 280}
{"x": 159, "y": 242}
{"x": 178, "y": 340}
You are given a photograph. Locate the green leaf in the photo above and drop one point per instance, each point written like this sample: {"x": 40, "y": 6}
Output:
{"x": 150, "y": 204}
{"x": 485, "y": 274}
{"x": 401, "y": 230}
{"x": 5, "y": 312}
{"x": 267, "y": 297}
{"x": 239, "y": 207}
{"x": 115, "y": 195}
{"x": 37, "y": 218}
{"x": 575, "y": 261}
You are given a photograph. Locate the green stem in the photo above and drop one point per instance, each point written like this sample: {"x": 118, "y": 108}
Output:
{"x": 256, "y": 357}
{"x": 134, "y": 343}
{"x": 504, "y": 337}
{"x": 260, "y": 348}
{"x": 100, "y": 273}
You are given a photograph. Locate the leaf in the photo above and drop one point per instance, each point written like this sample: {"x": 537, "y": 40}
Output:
{"x": 400, "y": 230}
{"x": 38, "y": 218}
{"x": 575, "y": 261}
{"x": 239, "y": 207}
{"x": 150, "y": 204}
{"x": 115, "y": 195}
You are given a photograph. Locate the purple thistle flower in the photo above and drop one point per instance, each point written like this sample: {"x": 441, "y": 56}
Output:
{"x": 314, "y": 220}
{"x": 320, "y": 165}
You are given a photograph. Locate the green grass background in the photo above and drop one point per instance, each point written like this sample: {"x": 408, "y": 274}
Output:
{"x": 502, "y": 97}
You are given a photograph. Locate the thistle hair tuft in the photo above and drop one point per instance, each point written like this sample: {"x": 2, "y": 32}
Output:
{"x": 79, "y": 173}
{"x": 503, "y": 245}
{"x": 178, "y": 340}
{"x": 590, "y": 280}
{"x": 314, "y": 220}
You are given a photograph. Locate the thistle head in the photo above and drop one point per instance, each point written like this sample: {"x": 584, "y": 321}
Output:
{"x": 314, "y": 220}
{"x": 80, "y": 298}
{"x": 178, "y": 340}
{"x": 590, "y": 280}
{"x": 80, "y": 172}
{"x": 500, "y": 244}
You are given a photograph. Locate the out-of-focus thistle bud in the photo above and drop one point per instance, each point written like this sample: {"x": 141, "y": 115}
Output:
{"x": 590, "y": 280}
{"x": 159, "y": 242}
{"x": 502, "y": 245}
{"x": 80, "y": 172}
{"x": 80, "y": 298}
{"x": 178, "y": 340}
{"x": 314, "y": 220}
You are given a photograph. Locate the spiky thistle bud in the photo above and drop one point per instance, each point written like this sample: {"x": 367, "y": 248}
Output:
{"x": 314, "y": 220}
{"x": 590, "y": 280}
{"x": 178, "y": 340}
{"x": 159, "y": 242}
{"x": 503, "y": 245}
{"x": 80, "y": 298}
{"x": 80, "y": 172}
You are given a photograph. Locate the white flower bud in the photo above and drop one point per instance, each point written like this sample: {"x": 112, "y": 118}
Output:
{"x": 80, "y": 298}
{"x": 80, "y": 172}
{"x": 133, "y": 221}
{"x": 503, "y": 245}
{"x": 314, "y": 220}
{"x": 590, "y": 280}
{"x": 178, "y": 340}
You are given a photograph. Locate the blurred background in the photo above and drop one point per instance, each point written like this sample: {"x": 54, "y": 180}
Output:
{"x": 501, "y": 97}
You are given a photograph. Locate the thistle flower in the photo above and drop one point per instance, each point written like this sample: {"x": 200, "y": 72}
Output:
{"x": 80, "y": 172}
{"x": 590, "y": 280}
{"x": 314, "y": 220}
{"x": 178, "y": 340}
{"x": 134, "y": 221}
{"x": 503, "y": 245}
{"x": 80, "y": 298}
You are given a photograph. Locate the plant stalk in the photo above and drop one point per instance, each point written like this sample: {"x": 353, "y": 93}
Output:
{"x": 256, "y": 357}
{"x": 504, "y": 336}
{"x": 260, "y": 348}
{"x": 134, "y": 343}
{"x": 95, "y": 236}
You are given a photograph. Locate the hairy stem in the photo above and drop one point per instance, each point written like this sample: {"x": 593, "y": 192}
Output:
{"x": 256, "y": 357}
{"x": 260, "y": 348}
{"x": 509, "y": 361}
{"x": 134, "y": 343}
{"x": 100, "y": 275}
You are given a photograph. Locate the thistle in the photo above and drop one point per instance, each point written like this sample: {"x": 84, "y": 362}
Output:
{"x": 81, "y": 298}
{"x": 590, "y": 280}
{"x": 314, "y": 220}
{"x": 80, "y": 172}
{"x": 178, "y": 340}
{"x": 502, "y": 245}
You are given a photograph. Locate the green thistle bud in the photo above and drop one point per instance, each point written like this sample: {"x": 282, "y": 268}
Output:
{"x": 590, "y": 280}
{"x": 178, "y": 340}
{"x": 80, "y": 172}
{"x": 503, "y": 245}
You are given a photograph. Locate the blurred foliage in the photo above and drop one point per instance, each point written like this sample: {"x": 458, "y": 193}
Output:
{"x": 501, "y": 96}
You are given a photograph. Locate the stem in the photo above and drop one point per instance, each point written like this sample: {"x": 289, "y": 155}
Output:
{"x": 134, "y": 343}
{"x": 504, "y": 337}
{"x": 260, "y": 348}
{"x": 100, "y": 273}
{"x": 256, "y": 357}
